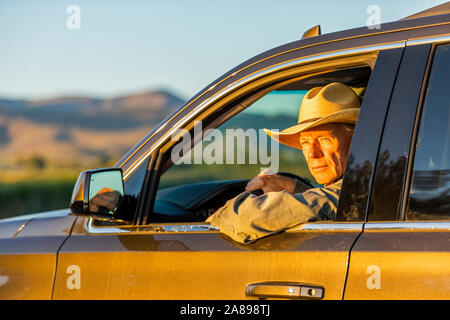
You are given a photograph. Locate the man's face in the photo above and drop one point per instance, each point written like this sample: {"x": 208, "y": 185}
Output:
{"x": 326, "y": 149}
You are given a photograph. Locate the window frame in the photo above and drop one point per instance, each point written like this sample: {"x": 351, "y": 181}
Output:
{"x": 415, "y": 134}
{"x": 360, "y": 170}
{"x": 403, "y": 105}
{"x": 390, "y": 130}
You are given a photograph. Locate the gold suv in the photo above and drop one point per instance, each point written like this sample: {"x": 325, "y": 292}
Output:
{"x": 391, "y": 236}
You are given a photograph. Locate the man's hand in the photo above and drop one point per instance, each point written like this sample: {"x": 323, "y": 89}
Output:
{"x": 106, "y": 197}
{"x": 270, "y": 182}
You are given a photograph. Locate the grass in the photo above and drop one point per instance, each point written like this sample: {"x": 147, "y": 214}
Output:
{"x": 32, "y": 190}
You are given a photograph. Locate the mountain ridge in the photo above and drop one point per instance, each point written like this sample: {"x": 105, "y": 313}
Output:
{"x": 77, "y": 129}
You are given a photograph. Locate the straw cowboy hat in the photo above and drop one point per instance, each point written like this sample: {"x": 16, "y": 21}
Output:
{"x": 333, "y": 103}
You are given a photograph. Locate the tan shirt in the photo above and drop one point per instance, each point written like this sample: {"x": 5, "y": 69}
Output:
{"x": 247, "y": 217}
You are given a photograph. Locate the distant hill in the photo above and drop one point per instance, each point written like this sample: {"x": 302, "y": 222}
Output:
{"x": 81, "y": 130}
{"x": 73, "y": 130}
{"x": 99, "y": 114}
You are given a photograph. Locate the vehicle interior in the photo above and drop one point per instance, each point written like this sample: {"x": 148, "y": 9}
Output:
{"x": 194, "y": 199}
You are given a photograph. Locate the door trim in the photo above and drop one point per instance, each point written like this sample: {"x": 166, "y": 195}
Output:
{"x": 407, "y": 226}
{"x": 195, "y": 227}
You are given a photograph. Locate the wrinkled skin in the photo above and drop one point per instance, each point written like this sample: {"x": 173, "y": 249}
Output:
{"x": 325, "y": 148}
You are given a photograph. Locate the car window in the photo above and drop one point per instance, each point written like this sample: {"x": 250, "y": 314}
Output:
{"x": 198, "y": 176}
{"x": 429, "y": 194}
{"x": 240, "y": 149}
{"x": 231, "y": 151}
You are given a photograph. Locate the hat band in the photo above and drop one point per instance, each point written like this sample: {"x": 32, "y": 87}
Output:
{"x": 309, "y": 120}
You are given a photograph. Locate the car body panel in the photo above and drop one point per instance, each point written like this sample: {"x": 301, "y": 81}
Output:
{"x": 28, "y": 257}
{"x": 401, "y": 260}
{"x": 419, "y": 35}
{"x": 9, "y": 228}
{"x": 199, "y": 265}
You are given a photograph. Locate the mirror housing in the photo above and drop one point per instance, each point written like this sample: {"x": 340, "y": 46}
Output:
{"x": 98, "y": 193}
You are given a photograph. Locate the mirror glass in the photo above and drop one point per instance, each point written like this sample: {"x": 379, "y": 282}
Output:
{"x": 105, "y": 191}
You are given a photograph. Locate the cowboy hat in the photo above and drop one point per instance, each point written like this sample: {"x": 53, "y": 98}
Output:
{"x": 333, "y": 103}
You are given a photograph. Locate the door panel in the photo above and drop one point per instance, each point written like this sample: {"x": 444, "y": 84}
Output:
{"x": 200, "y": 265}
{"x": 398, "y": 261}
{"x": 28, "y": 258}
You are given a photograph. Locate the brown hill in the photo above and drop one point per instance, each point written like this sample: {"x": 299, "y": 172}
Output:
{"x": 77, "y": 130}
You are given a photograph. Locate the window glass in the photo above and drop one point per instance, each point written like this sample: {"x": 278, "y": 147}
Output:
{"x": 429, "y": 196}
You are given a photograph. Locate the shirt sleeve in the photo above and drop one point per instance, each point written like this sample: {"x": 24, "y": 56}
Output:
{"x": 247, "y": 217}
{"x": 300, "y": 186}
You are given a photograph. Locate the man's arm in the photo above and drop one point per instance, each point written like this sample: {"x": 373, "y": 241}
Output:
{"x": 248, "y": 217}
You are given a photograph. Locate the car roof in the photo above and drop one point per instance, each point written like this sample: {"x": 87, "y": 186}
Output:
{"x": 434, "y": 11}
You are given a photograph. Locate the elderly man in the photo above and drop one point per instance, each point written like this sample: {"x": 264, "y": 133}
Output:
{"x": 324, "y": 132}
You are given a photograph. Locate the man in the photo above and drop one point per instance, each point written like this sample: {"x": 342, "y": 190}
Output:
{"x": 324, "y": 131}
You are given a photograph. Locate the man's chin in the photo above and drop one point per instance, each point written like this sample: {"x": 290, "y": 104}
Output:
{"x": 325, "y": 180}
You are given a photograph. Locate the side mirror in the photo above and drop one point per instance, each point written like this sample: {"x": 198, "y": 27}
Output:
{"x": 98, "y": 192}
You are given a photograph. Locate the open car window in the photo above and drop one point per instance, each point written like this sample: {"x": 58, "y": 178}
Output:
{"x": 239, "y": 148}
{"x": 198, "y": 177}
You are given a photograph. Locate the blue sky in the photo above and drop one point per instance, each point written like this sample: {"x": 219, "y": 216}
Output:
{"x": 125, "y": 47}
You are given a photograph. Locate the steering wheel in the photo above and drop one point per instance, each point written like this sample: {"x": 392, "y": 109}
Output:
{"x": 289, "y": 175}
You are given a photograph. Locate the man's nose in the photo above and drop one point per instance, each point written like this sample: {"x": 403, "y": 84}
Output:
{"x": 314, "y": 151}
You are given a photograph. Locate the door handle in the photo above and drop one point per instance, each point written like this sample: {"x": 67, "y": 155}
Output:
{"x": 286, "y": 290}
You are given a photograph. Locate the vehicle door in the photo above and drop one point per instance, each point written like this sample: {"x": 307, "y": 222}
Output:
{"x": 183, "y": 260}
{"x": 403, "y": 252}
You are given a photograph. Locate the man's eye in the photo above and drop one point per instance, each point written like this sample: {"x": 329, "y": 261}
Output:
{"x": 324, "y": 139}
{"x": 304, "y": 142}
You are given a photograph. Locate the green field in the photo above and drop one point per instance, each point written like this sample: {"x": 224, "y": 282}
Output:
{"x": 31, "y": 192}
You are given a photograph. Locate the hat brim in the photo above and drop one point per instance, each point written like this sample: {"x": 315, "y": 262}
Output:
{"x": 291, "y": 135}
